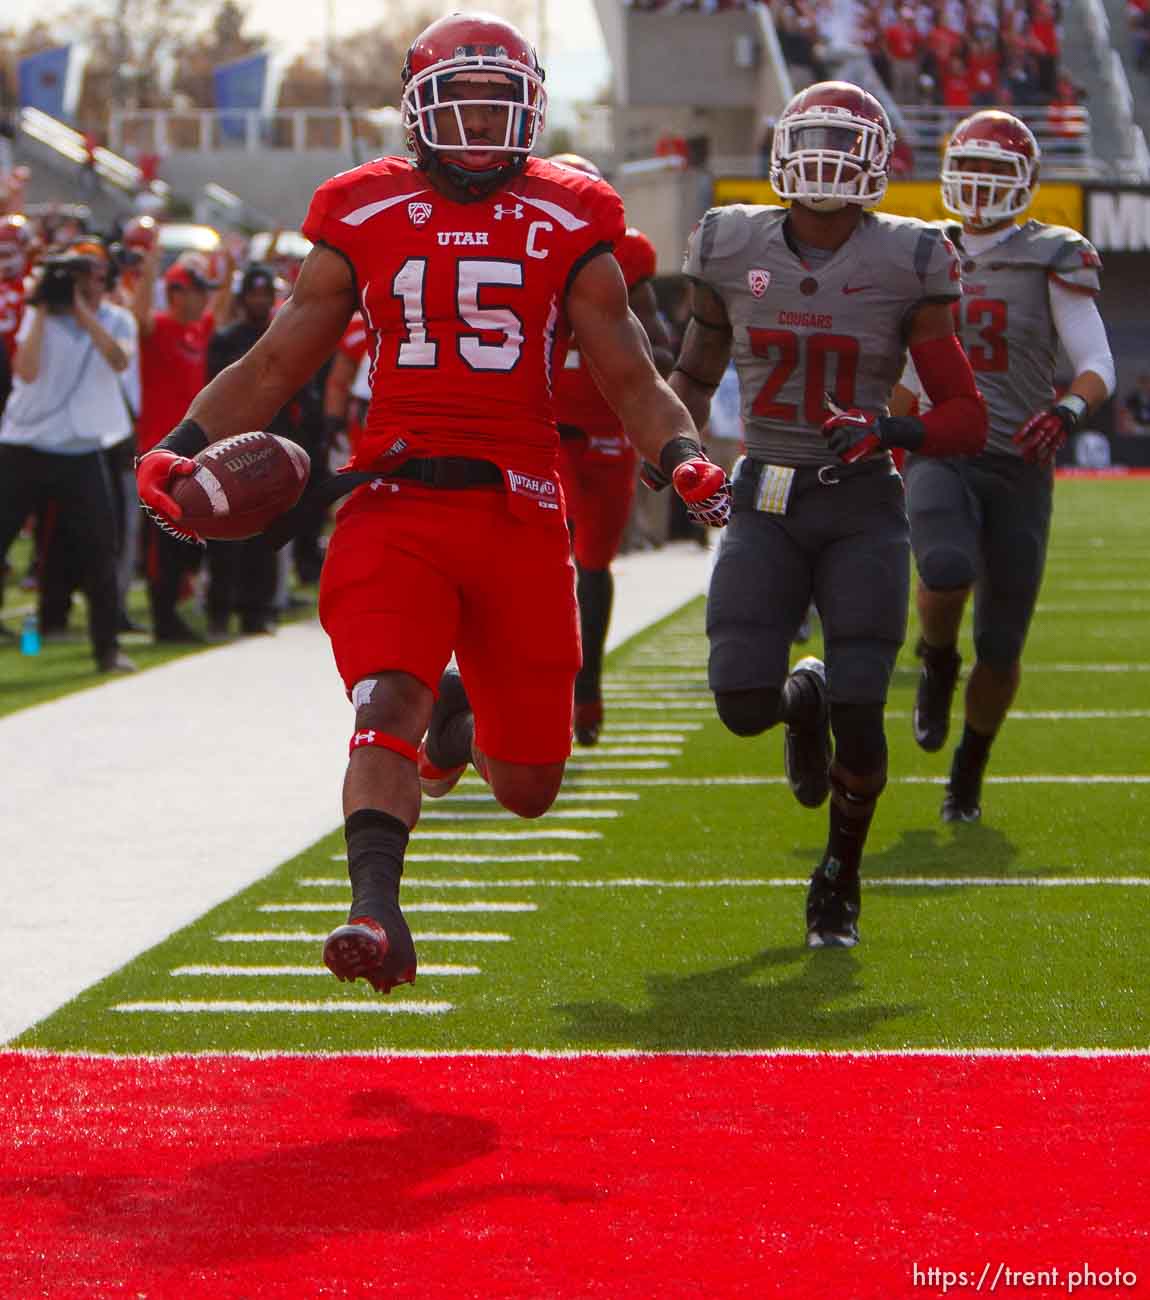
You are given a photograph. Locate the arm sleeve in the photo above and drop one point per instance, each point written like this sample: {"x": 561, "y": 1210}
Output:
{"x": 1081, "y": 332}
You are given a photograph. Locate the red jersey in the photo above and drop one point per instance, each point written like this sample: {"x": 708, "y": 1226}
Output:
{"x": 577, "y": 401}
{"x": 173, "y": 369}
{"x": 464, "y": 303}
{"x": 11, "y": 311}
{"x": 354, "y": 342}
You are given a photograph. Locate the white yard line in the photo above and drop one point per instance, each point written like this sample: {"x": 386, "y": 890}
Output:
{"x": 299, "y": 936}
{"x": 350, "y": 1007}
{"x": 315, "y": 969}
{"x": 340, "y": 905}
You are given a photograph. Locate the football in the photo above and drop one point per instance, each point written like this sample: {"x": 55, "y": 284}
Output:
{"x": 240, "y": 485}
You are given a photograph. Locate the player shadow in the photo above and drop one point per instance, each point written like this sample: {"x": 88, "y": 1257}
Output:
{"x": 735, "y": 1007}
{"x": 291, "y": 1197}
{"x": 974, "y": 849}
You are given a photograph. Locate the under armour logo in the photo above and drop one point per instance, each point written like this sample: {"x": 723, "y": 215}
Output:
{"x": 420, "y": 213}
{"x": 363, "y": 738}
{"x": 514, "y": 211}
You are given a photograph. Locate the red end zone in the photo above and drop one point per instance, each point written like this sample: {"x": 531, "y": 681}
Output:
{"x": 499, "y": 1176}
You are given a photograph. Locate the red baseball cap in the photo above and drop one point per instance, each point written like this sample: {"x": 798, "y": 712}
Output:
{"x": 181, "y": 276}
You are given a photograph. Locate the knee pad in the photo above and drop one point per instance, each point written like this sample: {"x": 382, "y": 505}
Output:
{"x": 945, "y": 568}
{"x": 860, "y": 739}
{"x": 748, "y": 713}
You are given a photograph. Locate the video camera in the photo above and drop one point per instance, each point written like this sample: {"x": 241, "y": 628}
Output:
{"x": 56, "y": 289}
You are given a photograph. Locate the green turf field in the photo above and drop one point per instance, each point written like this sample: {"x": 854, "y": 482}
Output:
{"x": 675, "y": 922}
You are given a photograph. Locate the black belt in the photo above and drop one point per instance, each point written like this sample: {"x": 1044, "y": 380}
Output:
{"x": 448, "y": 472}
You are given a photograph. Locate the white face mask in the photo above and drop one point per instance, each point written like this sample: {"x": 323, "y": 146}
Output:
{"x": 983, "y": 198}
{"x": 826, "y": 161}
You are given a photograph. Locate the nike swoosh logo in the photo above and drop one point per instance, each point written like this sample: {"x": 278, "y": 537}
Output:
{"x": 856, "y": 288}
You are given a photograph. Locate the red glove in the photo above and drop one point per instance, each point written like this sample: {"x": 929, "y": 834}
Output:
{"x": 1045, "y": 431}
{"x": 704, "y": 488}
{"x": 852, "y": 434}
{"x": 154, "y": 472}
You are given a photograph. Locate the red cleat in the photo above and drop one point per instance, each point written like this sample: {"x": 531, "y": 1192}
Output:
{"x": 360, "y": 950}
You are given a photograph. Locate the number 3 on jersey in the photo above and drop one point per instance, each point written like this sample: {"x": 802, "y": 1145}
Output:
{"x": 784, "y": 348}
{"x": 419, "y": 350}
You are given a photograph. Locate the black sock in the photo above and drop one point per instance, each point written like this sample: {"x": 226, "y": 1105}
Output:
{"x": 596, "y": 591}
{"x": 376, "y": 843}
{"x": 973, "y": 751}
{"x": 850, "y": 819}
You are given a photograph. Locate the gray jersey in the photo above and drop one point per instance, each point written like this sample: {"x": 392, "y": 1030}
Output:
{"x": 801, "y": 332}
{"x": 1005, "y": 321}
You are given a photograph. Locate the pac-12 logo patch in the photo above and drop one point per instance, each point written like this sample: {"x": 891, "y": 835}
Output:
{"x": 758, "y": 280}
{"x": 420, "y": 213}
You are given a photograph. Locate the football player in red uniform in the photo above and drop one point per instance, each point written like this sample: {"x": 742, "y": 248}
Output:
{"x": 597, "y": 466}
{"x": 471, "y": 264}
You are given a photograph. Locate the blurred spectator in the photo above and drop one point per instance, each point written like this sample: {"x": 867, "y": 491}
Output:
{"x": 1044, "y": 43}
{"x": 1137, "y": 406}
{"x": 90, "y": 181}
{"x": 983, "y": 65}
{"x": 956, "y": 86}
{"x": 173, "y": 369}
{"x": 67, "y": 405}
{"x": 15, "y": 242}
{"x": 242, "y": 575}
{"x": 903, "y": 46}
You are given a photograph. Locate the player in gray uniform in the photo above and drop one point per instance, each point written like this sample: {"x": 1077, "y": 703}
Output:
{"x": 818, "y": 304}
{"x": 983, "y": 523}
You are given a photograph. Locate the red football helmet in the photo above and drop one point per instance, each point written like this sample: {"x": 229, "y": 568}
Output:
{"x": 483, "y": 52}
{"x": 832, "y": 146}
{"x": 989, "y": 168}
{"x": 577, "y": 163}
{"x": 15, "y": 238}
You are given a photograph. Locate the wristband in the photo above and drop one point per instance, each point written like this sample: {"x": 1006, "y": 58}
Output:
{"x": 1071, "y": 409}
{"x": 186, "y": 439}
{"x": 901, "y": 431}
{"x": 675, "y": 452}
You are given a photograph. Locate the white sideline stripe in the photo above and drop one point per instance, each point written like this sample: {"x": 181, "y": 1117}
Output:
{"x": 1054, "y": 715}
{"x": 663, "y": 706}
{"x": 1131, "y": 607}
{"x": 340, "y": 905}
{"x": 482, "y": 857}
{"x": 616, "y": 765}
{"x": 645, "y": 738}
{"x": 1088, "y": 668}
{"x": 337, "y": 1008}
{"x": 582, "y": 796}
{"x": 502, "y": 815}
{"x": 306, "y": 970}
{"x": 1117, "y": 779}
{"x": 1105, "y": 586}
{"x": 299, "y": 936}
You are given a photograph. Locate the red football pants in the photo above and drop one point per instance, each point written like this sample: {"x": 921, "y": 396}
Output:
{"x": 414, "y": 573}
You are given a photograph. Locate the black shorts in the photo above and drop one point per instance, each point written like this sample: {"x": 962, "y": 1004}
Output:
{"x": 983, "y": 522}
{"x": 845, "y": 544}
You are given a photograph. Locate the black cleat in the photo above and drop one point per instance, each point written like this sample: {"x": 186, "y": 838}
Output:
{"x": 807, "y": 746}
{"x": 833, "y": 906}
{"x": 932, "y": 700}
{"x": 440, "y": 765}
{"x": 588, "y": 721}
{"x": 963, "y": 793}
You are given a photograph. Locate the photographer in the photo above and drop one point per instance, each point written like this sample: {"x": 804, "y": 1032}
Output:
{"x": 67, "y": 404}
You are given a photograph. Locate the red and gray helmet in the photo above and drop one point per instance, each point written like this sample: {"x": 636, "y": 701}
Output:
{"x": 476, "y": 49}
{"x": 832, "y": 146}
{"x": 15, "y": 241}
{"x": 989, "y": 168}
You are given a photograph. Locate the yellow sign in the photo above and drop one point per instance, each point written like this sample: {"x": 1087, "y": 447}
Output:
{"x": 1058, "y": 204}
